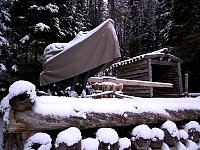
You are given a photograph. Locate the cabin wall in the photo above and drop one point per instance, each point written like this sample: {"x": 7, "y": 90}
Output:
{"x": 135, "y": 71}
{"x": 151, "y": 70}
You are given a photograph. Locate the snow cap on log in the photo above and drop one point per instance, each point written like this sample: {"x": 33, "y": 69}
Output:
{"x": 192, "y": 125}
{"x": 157, "y": 138}
{"x": 141, "y": 131}
{"x": 171, "y": 133}
{"x": 193, "y": 129}
{"x": 89, "y": 144}
{"x": 141, "y": 137}
{"x": 20, "y": 87}
{"x": 157, "y": 134}
{"x": 43, "y": 139}
{"x": 107, "y": 135}
{"x": 183, "y": 136}
{"x": 69, "y": 136}
{"x": 124, "y": 143}
{"x": 171, "y": 128}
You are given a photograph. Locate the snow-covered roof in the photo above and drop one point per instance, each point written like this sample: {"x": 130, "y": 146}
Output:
{"x": 159, "y": 53}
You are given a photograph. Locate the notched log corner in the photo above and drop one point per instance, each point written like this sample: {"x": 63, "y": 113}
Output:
{"x": 21, "y": 102}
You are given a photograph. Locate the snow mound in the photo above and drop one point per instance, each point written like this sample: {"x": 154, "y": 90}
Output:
{"x": 89, "y": 144}
{"x": 157, "y": 134}
{"x": 191, "y": 145}
{"x": 183, "y": 134}
{"x": 141, "y": 131}
{"x": 192, "y": 125}
{"x": 69, "y": 136}
{"x": 107, "y": 135}
{"x": 181, "y": 146}
{"x": 40, "y": 138}
{"x": 124, "y": 143}
{"x": 165, "y": 147}
{"x": 171, "y": 128}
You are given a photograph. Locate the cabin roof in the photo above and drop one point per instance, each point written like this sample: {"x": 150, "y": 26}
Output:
{"x": 162, "y": 53}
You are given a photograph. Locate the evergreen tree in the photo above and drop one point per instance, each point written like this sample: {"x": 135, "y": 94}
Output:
{"x": 186, "y": 40}
{"x": 164, "y": 21}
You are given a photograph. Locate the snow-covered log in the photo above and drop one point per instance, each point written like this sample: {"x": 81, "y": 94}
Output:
{"x": 21, "y": 96}
{"x": 29, "y": 120}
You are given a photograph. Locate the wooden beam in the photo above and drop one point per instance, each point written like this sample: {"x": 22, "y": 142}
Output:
{"x": 130, "y": 82}
{"x": 165, "y": 63}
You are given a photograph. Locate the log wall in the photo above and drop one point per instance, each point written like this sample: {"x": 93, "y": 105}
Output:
{"x": 135, "y": 71}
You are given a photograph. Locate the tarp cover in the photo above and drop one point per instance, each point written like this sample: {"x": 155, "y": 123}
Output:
{"x": 89, "y": 51}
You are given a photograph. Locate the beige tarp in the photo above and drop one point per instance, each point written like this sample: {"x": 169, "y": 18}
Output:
{"x": 92, "y": 51}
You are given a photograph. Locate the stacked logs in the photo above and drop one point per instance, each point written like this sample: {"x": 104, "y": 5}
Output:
{"x": 168, "y": 136}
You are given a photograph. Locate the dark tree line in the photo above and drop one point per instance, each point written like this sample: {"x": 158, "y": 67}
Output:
{"x": 28, "y": 26}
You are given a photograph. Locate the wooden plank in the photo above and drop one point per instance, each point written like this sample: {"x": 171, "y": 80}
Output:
{"x": 130, "y": 82}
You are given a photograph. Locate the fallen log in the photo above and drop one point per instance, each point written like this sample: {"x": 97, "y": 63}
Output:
{"x": 30, "y": 121}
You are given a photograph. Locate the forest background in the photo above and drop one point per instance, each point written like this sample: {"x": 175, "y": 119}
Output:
{"x": 28, "y": 26}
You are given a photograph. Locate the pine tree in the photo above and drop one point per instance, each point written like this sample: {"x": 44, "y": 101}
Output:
{"x": 185, "y": 38}
{"x": 164, "y": 21}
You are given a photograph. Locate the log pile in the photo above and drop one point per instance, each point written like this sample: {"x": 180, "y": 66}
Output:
{"x": 141, "y": 137}
{"x": 24, "y": 123}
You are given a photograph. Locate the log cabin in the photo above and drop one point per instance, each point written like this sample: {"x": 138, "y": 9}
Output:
{"x": 157, "y": 66}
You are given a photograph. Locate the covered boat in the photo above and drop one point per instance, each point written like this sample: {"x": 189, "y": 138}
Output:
{"x": 91, "y": 51}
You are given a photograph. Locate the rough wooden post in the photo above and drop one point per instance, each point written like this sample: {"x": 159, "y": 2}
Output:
{"x": 186, "y": 84}
{"x": 171, "y": 133}
{"x": 21, "y": 102}
{"x": 180, "y": 77}
{"x": 150, "y": 77}
{"x": 69, "y": 139}
{"x": 124, "y": 144}
{"x": 141, "y": 135}
{"x": 193, "y": 130}
{"x": 108, "y": 139}
{"x": 157, "y": 137}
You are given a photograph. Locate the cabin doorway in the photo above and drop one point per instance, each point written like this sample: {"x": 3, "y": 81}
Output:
{"x": 165, "y": 74}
